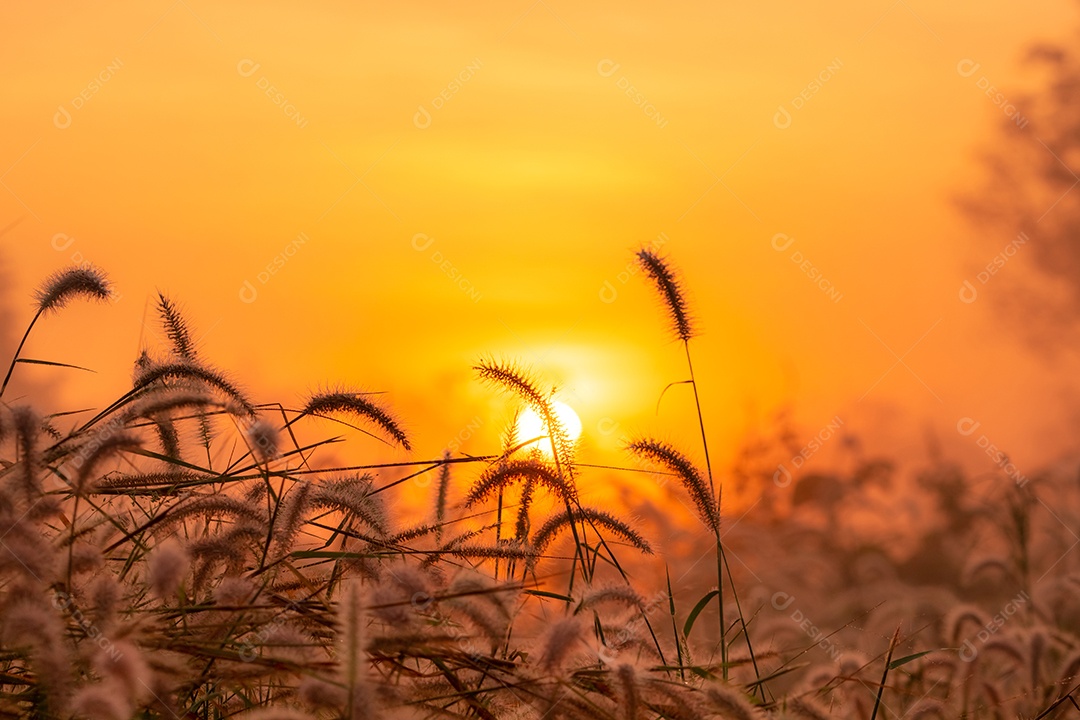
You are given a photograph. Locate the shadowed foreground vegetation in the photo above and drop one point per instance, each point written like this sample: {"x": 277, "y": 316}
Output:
{"x": 185, "y": 552}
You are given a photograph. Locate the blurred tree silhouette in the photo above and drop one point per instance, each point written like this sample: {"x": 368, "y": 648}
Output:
{"x": 1033, "y": 188}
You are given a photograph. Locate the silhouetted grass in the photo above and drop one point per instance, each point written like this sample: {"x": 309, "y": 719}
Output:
{"x": 184, "y": 554}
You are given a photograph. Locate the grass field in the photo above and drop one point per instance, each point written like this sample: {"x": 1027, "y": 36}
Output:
{"x": 184, "y": 551}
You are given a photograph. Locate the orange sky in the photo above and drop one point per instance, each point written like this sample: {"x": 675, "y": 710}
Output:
{"x": 531, "y": 147}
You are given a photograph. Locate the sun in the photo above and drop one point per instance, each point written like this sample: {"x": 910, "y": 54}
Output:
{"x": 530, "y": 425}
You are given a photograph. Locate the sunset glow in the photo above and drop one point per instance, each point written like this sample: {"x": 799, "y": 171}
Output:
{"x": 282, "y": 285}
{"x": 530, "y": 425}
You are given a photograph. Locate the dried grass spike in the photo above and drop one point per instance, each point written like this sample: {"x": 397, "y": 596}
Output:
{"x": 354, "y": 403}
{"x": 263, "y": 438}
{"x": 668, "y": 457}
{"x": 551, "y": 528}
{"x": 561, "y": 638}
{"x": 441, "y": 492}
{"x": 499, "y": 475}
{"x": 189, "y": 371}
{"x": 732, "y": 702}
{"x": 671, "y": 292}
{"x": 167, "y": 567}
{"x": 626, "y": 690}
{"x": 176, "y": 329}
{"x": 99, "y": 448}
{"x": 612, "y": 593}
{"x": 64, "y": 285}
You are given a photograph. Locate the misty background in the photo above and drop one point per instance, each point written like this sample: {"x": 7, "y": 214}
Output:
{"x": 382, "y": 206}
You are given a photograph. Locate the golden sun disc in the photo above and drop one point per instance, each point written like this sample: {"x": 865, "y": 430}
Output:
{"x": 530, "y": 426}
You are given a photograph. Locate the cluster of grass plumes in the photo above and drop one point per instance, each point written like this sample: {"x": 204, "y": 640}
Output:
{"x": 175, "y": 554}
{"x": 182, "y": 554}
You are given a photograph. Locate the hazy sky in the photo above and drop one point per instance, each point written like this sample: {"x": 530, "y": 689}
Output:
{"x": 383, "y": 194}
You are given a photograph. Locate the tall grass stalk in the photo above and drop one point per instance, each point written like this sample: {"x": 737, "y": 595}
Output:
{"x": 669, "y": 287}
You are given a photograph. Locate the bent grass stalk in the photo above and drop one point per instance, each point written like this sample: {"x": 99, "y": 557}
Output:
{"x": 669, "y": 288}
{"x": 57, "y": 290}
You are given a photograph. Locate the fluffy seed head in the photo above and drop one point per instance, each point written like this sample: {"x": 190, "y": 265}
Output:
{"x": 101, "y": 702}
{"x": 157, "y": 372}
{"x": 597, "y": 518}
{"x": 176, "y": 329}
{"x": 354, "y": 403}
{"x": 520, "y": 381}
{"x": 626, "y": 690}
{"x": 98, "y": 449}
{"x": 671, "y": 292}
{"x": 671, "y": 459}
{"x": 64, "y": 285}
{"x": 168, "y": 566}
{"x": 263, "y": 437}
{"x": 731, "y": 702}
{"x": 499, "y": 475}
{"x": 562, "y": 638}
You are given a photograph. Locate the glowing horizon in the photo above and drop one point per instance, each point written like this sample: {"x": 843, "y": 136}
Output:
{"x": 396, "y": 200}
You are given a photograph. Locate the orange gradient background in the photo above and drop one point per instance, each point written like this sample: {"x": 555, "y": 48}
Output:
{"x": 500, "y": 140}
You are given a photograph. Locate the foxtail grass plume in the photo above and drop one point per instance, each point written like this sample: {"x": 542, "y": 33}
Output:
{"x": 562, "y": 638}
{"x": 597, "y": 518}
{"x": 671, "y": 291}
{"x": 27, "y": 439}
{"x": 290, "y": 517}
{"x": 263, "y": 438}
{"x": 176, "y": 329}
{"x": 733, "y": 703}
{"x": 502, "y": 550}
{"x": 627, "y": 691}
{"x": 354, "y": 403}
{"x": 353, "y": 660}
{"x": 65, "y": 285}
{"x": 678, "y": 704}
{"x": 125, "y": 665}
{"x": 206, "y": 506}
{"x": 160, "y": 372}
{"x": 675, "y": 462}
{"x": 101, "y": 701}
{"x": 518, "y": 380}
{"x": 954, "y": 621}
{"x": 498, "y": 476}
{"x": 355, "y": 496}
{"x": 441, "y": 495}
{"x": 167, "y": 566}
{"x": 623, "y": 594}
{"x": 808, "y": 708}
{"x": 57, "y": 290}
{"x": 98, "y": 449}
